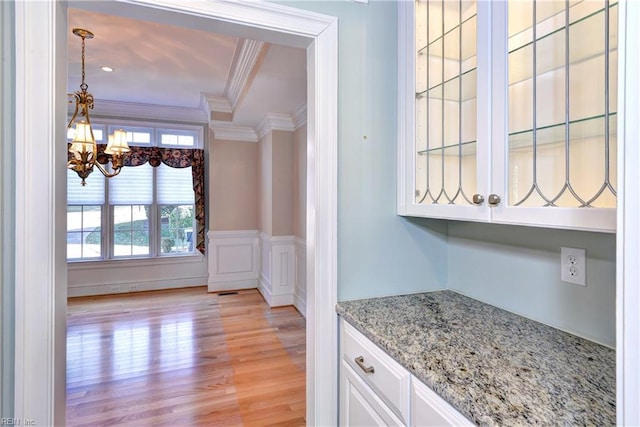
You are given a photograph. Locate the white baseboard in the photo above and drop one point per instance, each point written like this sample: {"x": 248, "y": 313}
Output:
{"x": 123, "y": 288}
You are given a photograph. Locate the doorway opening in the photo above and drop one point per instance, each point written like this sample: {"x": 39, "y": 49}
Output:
{"x": 44, "y": 30}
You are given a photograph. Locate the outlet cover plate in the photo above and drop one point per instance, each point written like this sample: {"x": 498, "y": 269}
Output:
{"x": 573, "y": 266}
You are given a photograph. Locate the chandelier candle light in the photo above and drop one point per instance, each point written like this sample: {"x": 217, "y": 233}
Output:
{"x": 83, "y": 146}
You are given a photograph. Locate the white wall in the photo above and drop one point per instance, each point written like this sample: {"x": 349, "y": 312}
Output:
{"x": 132, "y": 275}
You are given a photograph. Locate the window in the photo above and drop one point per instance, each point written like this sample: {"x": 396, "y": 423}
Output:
{"x": 84, "y": 216}
{"x": 174, "y": 138}
{"x": 143, "y": 212}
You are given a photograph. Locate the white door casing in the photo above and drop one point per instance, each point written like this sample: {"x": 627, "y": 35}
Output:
{"x": 41, "y": 63}
{"x": 628, "y": 220}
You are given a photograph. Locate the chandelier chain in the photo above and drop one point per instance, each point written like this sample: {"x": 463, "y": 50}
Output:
{"x": 83, "y": 85}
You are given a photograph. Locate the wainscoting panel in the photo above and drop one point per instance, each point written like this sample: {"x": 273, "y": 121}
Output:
{"x": 277, "y": 280}
{"x": 234, "y": 260}
{"x": 300, "y": 275}
{"x": 89, "y": 278}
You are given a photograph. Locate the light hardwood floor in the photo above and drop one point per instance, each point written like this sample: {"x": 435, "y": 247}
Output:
{"x": 184, "y": 358}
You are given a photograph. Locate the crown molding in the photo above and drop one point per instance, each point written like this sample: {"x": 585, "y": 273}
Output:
{"x": 229, "y": 132}
{"x": 209, "y": 103}
{"x": 242, "y": 69}
{"x": 299, "y": 116}
{"x": 274, "y": 121}
{"x": 134, "y": 110}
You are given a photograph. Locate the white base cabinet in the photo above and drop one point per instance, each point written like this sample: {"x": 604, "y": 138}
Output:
{"x": 375, "y": 390}
{"x": 360, "y": 406}
{"x": 428, "y": 409}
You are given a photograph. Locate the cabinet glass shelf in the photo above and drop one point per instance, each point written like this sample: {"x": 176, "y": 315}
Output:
{"x": 449, "y": 91}
{"x": 585, "y": 40}
{"x": 590, "y": 127}
{"x": 441, "y": 37}
{"x": 467, "y": 148}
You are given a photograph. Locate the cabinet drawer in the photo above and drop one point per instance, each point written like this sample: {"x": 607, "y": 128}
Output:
{"x": 428, "y": 409}
{"x": 388, "y": 378}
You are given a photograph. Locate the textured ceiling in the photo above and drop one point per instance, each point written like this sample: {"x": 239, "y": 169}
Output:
{"x": 169, "y": 65}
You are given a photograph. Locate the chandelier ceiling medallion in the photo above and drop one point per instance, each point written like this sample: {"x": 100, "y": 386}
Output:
{"x": 83, "y": 148}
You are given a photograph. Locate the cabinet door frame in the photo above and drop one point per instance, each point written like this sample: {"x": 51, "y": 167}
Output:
{"x": 588, "y": 219}
{"x": 491, "y": 155}
{"x": 406, "y": 205}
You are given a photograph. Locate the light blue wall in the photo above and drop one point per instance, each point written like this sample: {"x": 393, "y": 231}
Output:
{"x": 379, "y": 253}
{"x": 518, "y": 269}
{"x": 7, "y": 202}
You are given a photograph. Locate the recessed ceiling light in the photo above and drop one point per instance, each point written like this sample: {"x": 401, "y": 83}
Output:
{"x": 107, "y": 69}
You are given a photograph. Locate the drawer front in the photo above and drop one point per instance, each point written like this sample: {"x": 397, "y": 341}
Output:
{"x": 383, "y": 374}
{"x": 428, "y": 409}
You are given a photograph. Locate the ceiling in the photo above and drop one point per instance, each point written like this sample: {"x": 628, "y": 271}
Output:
{"x": 226, "y": 80}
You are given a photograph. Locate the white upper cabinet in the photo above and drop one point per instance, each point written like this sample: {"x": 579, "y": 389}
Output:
{"x": 507, "y": 112}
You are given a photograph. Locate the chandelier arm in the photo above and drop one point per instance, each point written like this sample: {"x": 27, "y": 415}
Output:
{"x": 75, "y": 112}
{"x": 107, "y": 173}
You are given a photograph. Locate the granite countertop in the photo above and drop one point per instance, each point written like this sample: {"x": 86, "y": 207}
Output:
{"x": 493, "y": 366}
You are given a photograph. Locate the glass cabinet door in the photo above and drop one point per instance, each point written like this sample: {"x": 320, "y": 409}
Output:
{"x": 445, "y": 102}
{"x": 561, "y": 115}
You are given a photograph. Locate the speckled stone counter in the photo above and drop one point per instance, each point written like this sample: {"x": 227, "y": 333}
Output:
{"x": 493, "y": 366}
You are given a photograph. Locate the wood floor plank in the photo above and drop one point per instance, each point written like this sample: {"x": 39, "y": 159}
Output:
{"x": 184, "y": 358}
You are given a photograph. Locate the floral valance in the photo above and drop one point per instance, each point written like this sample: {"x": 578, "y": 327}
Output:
{"x": 175, "y": 158}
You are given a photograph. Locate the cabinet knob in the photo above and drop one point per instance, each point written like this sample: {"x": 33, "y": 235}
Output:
{"x": 360, "y": 362}
{"x": 478, "y": 199}
{"x": 494, "y": 199}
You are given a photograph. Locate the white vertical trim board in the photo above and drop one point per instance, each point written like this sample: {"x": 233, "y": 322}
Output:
{"x": 264, "y": 279}
{"x": 300, "y": 276}
{"x": 322, "y": 211}
{"x": 7, "y": 203}
{"x": 234, "y": 260}
{"x": 40, "y": 247}
{"x": 628, "y": 235}
{"x": 41, "y": 63}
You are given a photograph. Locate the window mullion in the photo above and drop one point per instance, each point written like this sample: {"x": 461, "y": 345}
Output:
{"x": 154, "y": 240}
{"x": 107, "y": 219}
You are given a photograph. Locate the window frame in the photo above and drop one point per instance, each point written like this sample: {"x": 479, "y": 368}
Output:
{"x": 156, "y": 130}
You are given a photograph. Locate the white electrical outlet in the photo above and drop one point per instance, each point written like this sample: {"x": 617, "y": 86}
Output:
{"x": 573, "y": 266}
{"x": 115, "y": 289}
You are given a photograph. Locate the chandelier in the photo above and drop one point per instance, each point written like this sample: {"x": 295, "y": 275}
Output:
{"x": 83, "y": 148}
